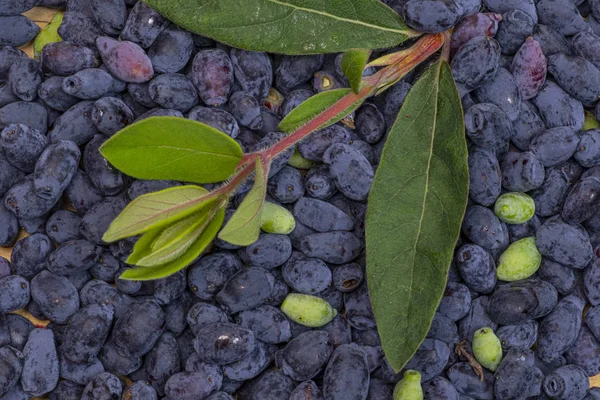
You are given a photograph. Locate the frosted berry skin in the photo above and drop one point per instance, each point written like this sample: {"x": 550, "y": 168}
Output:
{"x": 431, "y": 15}
{"x": 479, "y": 24}
{"x": 16, "y": 7}
{"x": 125, "y": 60}
{"x": 529, "y": 68}
{"x": 476, "y": 61}
{"x": 212, "y": 73}
{"x": 289, "y": 316}
{"x": 64, "y": 58}
{"x": 577, "y": 76}
{"x": 17, "y": 30}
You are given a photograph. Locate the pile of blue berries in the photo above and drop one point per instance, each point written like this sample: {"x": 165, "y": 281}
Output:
{"x": 520, "y": 317}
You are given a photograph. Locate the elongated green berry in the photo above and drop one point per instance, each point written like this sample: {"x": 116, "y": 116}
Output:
{"x": 487, "y": 348}
{"x": 409, "y": 387}
{"x": 514, "y": 208}
{"x": 519, "y": 261}
{"x": 276, "y": 219}
{"x": 307, "y": 310}
{"x": 297, "y": 161}
{"x": 48, "y": 35}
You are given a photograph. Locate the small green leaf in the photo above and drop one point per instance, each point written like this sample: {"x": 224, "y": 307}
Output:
{"x": 353, "y": 65}
{"x": 143, "y": 246}
{"x": 310, "y": 109}
{"x": 157, "y": 209}
{"x": 415, "y": 210}
{"x": 146, "y": 274}
{"x": 590, "y": 122}
{"x": 290, "y": 26}
{"x": 173, "y": 148}
{"x": 177, "y": 238}
{"x": 48, "y": 35}
{"x": 244, "y": 226}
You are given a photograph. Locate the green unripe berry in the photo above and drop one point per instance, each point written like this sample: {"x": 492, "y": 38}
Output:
{"x": 308, "y": 310}
{"x": 514, "y": 208}
{"x": 487, "y": 348}
{"x": 519, "y": 261}
{"x": 409, "y": 387}
{"x": 297, "y": 161}
{"x": 48, "y": 35}
{"x": 276, "y": 219}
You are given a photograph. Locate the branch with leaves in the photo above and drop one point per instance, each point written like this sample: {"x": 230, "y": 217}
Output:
{"x": 419, "y": 194}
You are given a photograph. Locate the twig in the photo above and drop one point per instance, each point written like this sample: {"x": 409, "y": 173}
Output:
{"x": 461, "y": 350}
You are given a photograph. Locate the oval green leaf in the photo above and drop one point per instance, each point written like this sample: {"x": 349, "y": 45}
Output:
{"x": 243, "y": 228}
{"x": 415, "y": 210}
{"x": 162, "y": 271}
{"x": 290, "y": 26}
{"x": 353, "y": 65}
{"x": 344, "y": 101}
{"x": 173, "y": 148}
{"x": 156, "y": 210}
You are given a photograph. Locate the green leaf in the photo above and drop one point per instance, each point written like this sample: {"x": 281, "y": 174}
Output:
{"x": 244, "y": 226}
{"x": 415, "y": 210}
{"x": 177, "y": 238}
{"x": 145, "y": 274}
{"x": 353, "y": 65}
{"x": 143, "y": 246}
{"x": 309, "y": 109}
{"x": 590, "y": 121}
{"x": 290, "y": 26}
{"x": 173, "y": 148}
{"x": 48, "y": 35}
{"x": 157, "y": 209}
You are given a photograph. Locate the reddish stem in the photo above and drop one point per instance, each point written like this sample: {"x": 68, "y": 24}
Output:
{"x": 422, "y": 50}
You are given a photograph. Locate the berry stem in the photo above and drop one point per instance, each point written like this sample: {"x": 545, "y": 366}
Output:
{"x": 384, "y": 78}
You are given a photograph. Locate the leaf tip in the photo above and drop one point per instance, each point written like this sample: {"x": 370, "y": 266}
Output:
{"x": 125, "y": 276}
{"x": 109, "y": 236}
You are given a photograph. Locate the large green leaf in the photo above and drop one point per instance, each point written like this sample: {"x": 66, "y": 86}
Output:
{"x": 342, "y": 99}
{"x": 209, "y": 233}
{"x": 415, "y": 211}
{"x": 290, "y": 26}
{"x": 157, "y": 209}
{"x": 173, "y": 148}
{"x": 243, "y": 228}
{"x": 353, "y": 65}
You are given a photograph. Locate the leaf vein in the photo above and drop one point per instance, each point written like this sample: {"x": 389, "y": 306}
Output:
{"x": 425, "y": 192}
{"x": 337, "y": 17}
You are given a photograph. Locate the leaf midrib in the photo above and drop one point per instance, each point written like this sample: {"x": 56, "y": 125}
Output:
{"x": 325, "y": 14}
{"x": 425, "y": 195}
{"x": 187, "y": 149}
